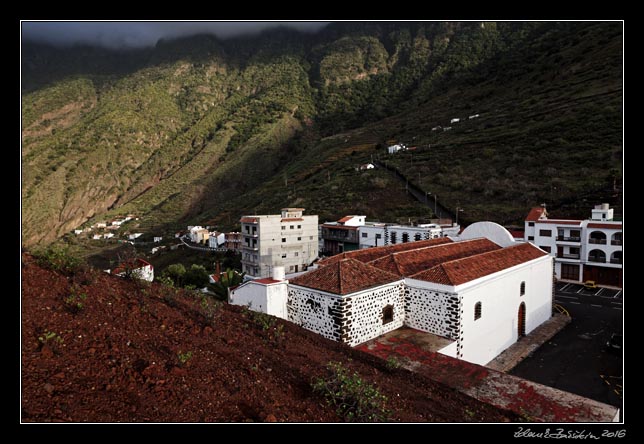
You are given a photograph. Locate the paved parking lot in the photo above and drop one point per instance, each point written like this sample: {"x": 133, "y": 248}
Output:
{"x": 567, "y": 288}
{"x": 577, "y": 359}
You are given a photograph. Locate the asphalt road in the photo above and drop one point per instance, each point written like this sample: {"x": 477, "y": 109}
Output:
{"x": 577, "y": 359}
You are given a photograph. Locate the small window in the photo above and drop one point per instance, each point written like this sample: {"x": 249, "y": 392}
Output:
{"x": 477, "y": 311}
{"x": 299, "y": 238}
{"x": 530, "y": 238}
{"x": 297, "y": 254}
{"x": 299, "y": 226}
{"x": 378, "y": 236}
{"x": 283, "y": 239}
{"x": 545, "y": 233}
{"x": 310, "y": 237}
{"x": 417, "y": 237}
{"x": 283, "y": 227}
{"x": 522, "y": 291}
{"x": 291, "y": 226}
{"x": 387, "y": 314}
{"x": 393, "y": 237}
{"x": 531, "y": 224}
{"x": 546, "y": 249}
{"x": 364, "y": 234}
{"x": 291, "y": 268}
{"x": 283, "y": 255}
{"x": 405, "y": 238}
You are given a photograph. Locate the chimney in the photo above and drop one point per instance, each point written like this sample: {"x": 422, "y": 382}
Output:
{"x": 278, "y": 273}
{"x": 217, "y": 269}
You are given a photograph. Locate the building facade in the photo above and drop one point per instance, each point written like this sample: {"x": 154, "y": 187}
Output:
{"x": 341, "y": 235}
{"x": 379, "y": 234}
{"x": 288, "y": 240}
{"x": 584, "y": 250}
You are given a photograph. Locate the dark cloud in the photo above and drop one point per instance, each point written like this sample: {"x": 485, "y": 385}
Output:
{"x": 141, "y": 34}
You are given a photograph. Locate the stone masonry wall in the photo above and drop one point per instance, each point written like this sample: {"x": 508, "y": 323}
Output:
{"x": 433, "y": 311}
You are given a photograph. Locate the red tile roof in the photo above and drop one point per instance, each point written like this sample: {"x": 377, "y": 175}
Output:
{"x": 133, "y": 265}
{"x": 339, "y": 227}
{"x": 535, "y": 213}
{"x": 607, "y": 226}
{"x": 370, "y": 254}
{"x": 560, "y": 222}
{"x": 344, "y": 277}
{"x": 464, "y": 270}
{"x": 517, "y": 234}
{"x": 248, "y": 220}
{"x": 266, "y": 281}
{"x": 345, "y": 219}
{"x": 408, "y": 263}
{"x": 292, "y": 219}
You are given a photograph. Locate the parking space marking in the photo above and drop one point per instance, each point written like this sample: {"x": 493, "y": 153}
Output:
{"x": 619, "y": 294}
{"x": 599, "y": 292}
{"x": 594, "y": 305}
{"x": 617, "y": 308}
{"x": 580, "y": 290}
{"x": 579, "y": 303}
{"x": 564, "y": 287}
{"x": 567, "y": 297}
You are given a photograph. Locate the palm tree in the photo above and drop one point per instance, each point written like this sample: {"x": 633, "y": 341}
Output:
{"x": 227, "y": 279}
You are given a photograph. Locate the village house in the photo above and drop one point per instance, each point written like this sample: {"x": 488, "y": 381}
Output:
{"x": 266, "y": 295}
{"x": 198, "y": 234}
{"x": 393, "y": 149}
{"x": 341, "y": 235}
{"x": 366, "y": 166}
{"x": 138, "y": 268}
{"x": 134, "y": 236}
{"x": 583, "y": 250}
{"x": 286, "y": 240}
{"x": 157, "y": 239}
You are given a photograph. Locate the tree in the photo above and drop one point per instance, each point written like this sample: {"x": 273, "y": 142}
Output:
{"x": 227, "y": 279}
{"x": 176, "y": 273}
{"x": 197, "y": 276}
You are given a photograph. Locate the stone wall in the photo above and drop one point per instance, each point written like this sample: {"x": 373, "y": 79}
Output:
{"x": 433, "y": 311}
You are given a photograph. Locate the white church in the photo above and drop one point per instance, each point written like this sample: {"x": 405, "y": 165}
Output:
{"x": 480, "y": 292}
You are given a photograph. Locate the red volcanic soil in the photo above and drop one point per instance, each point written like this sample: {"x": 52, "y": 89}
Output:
{"x": 147, "y": 353}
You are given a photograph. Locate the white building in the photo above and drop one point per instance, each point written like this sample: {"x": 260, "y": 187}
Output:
{"x": 480, "y": 296}
{"x": 108, "y": 235}
{"x": 379, "y": 234}
{"x": 198, "y": 234}
{"x": 216, "y": 240}
{"x": 134, "y": 236}
{"x": 77, "y": 232}
{"x": 288, "y": 240}
{"x": 455, "y": 120}
{"x": 158, "y": 238}
{"x": 140, "y": 268}
{"x": 393, "y": 149}
{"x": 584, "y": 250}
{"x": 267, "y": 295}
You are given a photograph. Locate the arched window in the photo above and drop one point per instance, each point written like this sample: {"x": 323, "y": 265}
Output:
{"x": 387, "y": 314}
{"x": 596, "y": 256}
{"x": 417, "y": 236}
{"x": 616, "y": 257}
{"x": 597, "y": 237}
{"x": 522, "y": 290}
{"x": 393, "y": 237}
{"x": 405, "y": 238}
{"x": 616, "y": 239}
{"x": 477, "y": 311}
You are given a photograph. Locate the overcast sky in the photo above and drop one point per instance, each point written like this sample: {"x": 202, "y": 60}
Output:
{"x": 140, "y": 34}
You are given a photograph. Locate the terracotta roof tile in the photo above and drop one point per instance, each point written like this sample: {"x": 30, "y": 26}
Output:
{"x": 266, "y": 281}
{"x": 370, "y": 254}
{"x": 607, "y": 226}
{"x": 292, "y": 219}
{"x": 410, "y": 262}
{"x": 248, "y": 220}
{"x": 560, "y": 222}
{"x": 535, "y": 213}
{"x": 344, "y": 277}
{"x": 464, "y": 270}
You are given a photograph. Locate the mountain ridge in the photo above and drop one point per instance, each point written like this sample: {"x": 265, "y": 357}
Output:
{"x": 207, "y": 129}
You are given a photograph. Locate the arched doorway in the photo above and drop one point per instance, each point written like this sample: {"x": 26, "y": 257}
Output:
{"x": 521, "y": 321}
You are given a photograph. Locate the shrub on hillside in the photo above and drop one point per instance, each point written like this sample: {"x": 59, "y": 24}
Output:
{"x": 353, "y": 399}
{"x": 58, "y": 259}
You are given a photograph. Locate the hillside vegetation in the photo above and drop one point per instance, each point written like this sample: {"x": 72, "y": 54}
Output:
{"x": 199, "y": 129}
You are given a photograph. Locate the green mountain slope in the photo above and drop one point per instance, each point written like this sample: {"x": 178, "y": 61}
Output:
{"x": 199, "y": 129}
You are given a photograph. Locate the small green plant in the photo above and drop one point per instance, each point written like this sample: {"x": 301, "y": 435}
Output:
{"x": 58, "y": 259}
{"x": 353, "y": 399}
{"x": 49, "y": 337}
{"x": 209, "y": 307}
{"x": 392, "y": 363}
{"x": 75, "y": 301}
{"x": 469, "y": 413}
{"x": 184, "y": 357}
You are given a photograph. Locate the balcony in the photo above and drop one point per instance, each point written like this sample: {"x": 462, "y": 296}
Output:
{"x": 616, "y": 261}
{"x": 599, "y": 260}
{"x": 254, "y": 235}
{"x": 568, "y": 256}
{"x": 597, "y": 241}
{"x": 249, "y": 248}
{"x": 616, "y": 242}
{"x": 568, "y": 239}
